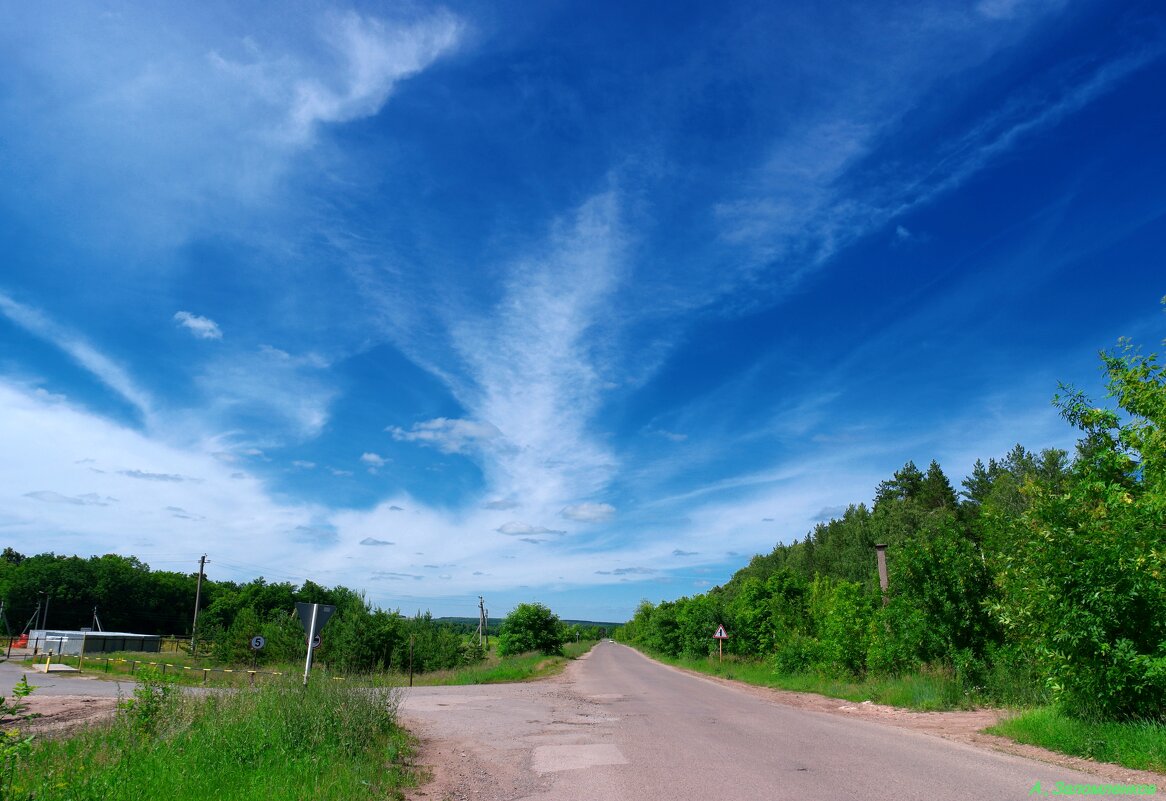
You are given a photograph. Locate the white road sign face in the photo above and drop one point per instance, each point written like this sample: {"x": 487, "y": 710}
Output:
{"x": 316, "y": 641}
{"x": 721, "y": 634}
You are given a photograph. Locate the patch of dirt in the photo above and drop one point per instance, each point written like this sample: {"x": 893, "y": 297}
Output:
{"x": 59, "y": 715}
{"x": 965, "y": 726}
{"x": 451, "y": 771}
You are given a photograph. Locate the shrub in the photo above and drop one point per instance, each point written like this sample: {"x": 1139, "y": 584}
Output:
{"x": 797, "y": 653}
{"x": 531, "y": 627}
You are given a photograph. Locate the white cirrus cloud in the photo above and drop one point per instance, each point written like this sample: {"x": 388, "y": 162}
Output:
{"x": 292, "y": 395}
{"x": 88, "y": 499}
{"x": 589, "y": 512}
{"x": 201, "y": 327}
{"x": 80, "y": 351}
{"x": 516, "y": 528}
{"x": 449, "y": 435}
{"x": 373, "y": 57}
{"x": 374, "y": 461}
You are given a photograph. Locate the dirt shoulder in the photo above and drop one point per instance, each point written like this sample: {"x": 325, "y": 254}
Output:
{"x": 57, "y": 715}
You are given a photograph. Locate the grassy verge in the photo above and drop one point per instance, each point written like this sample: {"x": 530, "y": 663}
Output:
{"x": 188, "y": 671}
{"x": 179, "y": 668}
{"x": 280, "y": 742}
{"x": 498, "y": 670}
{"x": 930, "y": 690}
{"x": 1140, "y": 745}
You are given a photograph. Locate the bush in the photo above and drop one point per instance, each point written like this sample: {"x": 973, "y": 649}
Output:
{"x": 154, "y": 700}
{"x": 531, "y": 627}
{"x": 842, "y": 614}
{"x": 797, "y": 653}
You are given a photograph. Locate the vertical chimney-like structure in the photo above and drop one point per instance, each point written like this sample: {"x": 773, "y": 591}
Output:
{"x": 881, "y": 550}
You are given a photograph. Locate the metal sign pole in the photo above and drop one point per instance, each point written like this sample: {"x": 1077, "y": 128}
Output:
{"x": 311, "y": 636}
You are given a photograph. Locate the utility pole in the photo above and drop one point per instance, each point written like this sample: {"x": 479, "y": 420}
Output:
{"x": 197, "y": 598}
{"x": 96, "y": 622}
{"x": 481, "y": 620}
{"x": 44, "y": 621}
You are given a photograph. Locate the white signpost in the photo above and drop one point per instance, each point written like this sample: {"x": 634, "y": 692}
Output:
{"x": 313, "y": 617}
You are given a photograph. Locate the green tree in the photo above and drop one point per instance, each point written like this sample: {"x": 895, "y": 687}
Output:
{"x": 1082, "y": 576}
{"x": 531, "y": 627}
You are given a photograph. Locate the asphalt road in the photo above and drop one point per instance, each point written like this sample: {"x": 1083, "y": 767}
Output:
{"x": 57, "y": 684}
{"x": 620, "y": 726}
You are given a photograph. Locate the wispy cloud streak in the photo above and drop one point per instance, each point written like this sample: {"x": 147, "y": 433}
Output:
{"x": 825, "y": 188}
{"x": 84, "y": 354}
{"x": 536, "y": 361}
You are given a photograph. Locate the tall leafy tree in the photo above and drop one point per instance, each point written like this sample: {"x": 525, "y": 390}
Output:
{"x": 1084, "y": 584}
{"x": 531, "y": 627}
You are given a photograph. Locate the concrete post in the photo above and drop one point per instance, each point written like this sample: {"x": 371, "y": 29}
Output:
{"x": 881, "y": 550}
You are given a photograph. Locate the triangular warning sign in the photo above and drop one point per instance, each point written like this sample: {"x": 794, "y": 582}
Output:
{"x": 721, "y": 634}
{"x": 323, "y": 612}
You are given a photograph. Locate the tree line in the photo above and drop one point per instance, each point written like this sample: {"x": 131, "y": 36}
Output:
{"x": 121, "y": 593}
{"x": 1041, "y": 579}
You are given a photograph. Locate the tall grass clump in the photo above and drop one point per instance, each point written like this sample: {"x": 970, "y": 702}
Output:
{"x": 281, "y": 741}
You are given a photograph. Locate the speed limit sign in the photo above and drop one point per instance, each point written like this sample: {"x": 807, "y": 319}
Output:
{"x": 257, "y": 643}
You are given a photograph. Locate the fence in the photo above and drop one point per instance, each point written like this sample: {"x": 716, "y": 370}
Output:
{"x": 48, "y": 644}
{"x": 80, "y": 661}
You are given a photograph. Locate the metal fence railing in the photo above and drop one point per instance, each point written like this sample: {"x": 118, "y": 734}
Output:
{"x": 80, "y": 662}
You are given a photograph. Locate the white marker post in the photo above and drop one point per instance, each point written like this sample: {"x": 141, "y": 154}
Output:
{"x": 311, "y": 633}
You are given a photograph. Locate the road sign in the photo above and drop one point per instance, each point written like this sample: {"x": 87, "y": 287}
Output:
{"x": 257, "y": 643}
{"x": 720, "y": 637}
{"x": 323, "y": 612}
{"x": 313, "y": 617}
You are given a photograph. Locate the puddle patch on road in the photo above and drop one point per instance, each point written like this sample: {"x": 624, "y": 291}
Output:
{"x": 552, "y": 758}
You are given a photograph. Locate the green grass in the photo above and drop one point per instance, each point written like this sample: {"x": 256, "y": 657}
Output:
{"x": 281, "y": 741}
{"x": 189, "y": 671}
{"x": 1140, "y": 745}
{"x": 180, "y": 668}
{"x": 930, "y": 690}
{"x": 500, "y": 670}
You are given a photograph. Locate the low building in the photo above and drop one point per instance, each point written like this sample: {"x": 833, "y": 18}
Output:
{"x": 93, "y": 642}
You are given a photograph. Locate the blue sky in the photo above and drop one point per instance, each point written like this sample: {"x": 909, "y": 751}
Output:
{"x": 573, "y": 302}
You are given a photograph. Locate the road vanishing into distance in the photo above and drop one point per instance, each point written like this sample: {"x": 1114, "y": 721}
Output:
{"x": 617, "y": 725}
